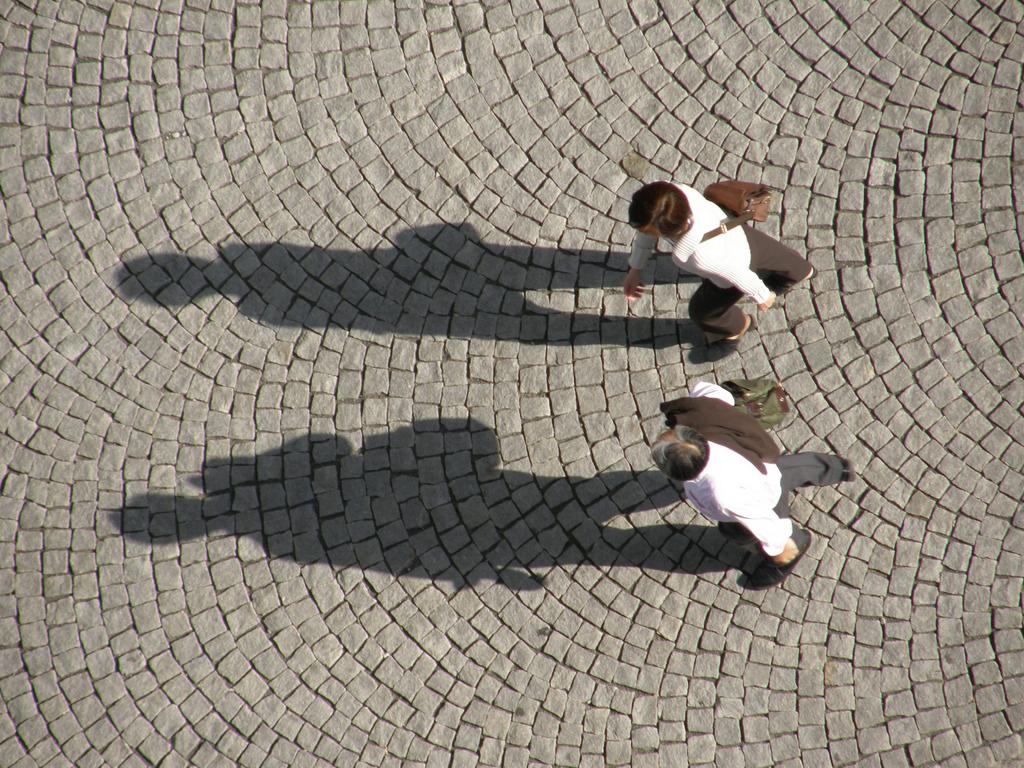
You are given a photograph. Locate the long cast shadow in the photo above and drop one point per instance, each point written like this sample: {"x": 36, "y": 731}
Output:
{"x": 428, "y": 500}
{"x": 438, "y": 279}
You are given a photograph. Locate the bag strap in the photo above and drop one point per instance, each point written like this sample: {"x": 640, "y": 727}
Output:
{"x": 783, "y": 397}
{"x": 730, "y": 223}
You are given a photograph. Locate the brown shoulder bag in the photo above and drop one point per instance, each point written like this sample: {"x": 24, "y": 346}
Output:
{"x": 745, "y": 200}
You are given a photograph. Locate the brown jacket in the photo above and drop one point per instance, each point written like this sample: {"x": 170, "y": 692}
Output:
{"x": 725, "y": 425}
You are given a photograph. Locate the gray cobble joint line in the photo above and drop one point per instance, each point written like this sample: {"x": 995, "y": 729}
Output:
{"x": 325, "y": 424}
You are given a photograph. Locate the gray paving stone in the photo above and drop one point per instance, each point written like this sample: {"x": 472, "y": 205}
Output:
{"x": 471, "y": 555}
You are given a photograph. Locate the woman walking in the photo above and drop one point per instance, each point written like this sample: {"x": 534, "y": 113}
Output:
{"x": 731, "y": 260}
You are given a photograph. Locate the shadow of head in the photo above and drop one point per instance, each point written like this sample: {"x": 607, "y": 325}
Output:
{"x": 429, "y": 499}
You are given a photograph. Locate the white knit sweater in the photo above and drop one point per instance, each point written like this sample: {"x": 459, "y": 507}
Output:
{"x": 724, "y": 259}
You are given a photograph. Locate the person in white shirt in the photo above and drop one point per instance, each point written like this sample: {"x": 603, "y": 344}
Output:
{"x": 731, "y": 263}
{"x": 734, "y": 473}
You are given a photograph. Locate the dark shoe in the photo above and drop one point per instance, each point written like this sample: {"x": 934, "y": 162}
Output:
{"x": 804, "y": 279}
{"x": 764, "y": 576}
{"x": 768, "y": 574}
{"x": 714, "y": 338}
{"x": 849, "y": 471}
{"x": 802, "y": 539}
{"x": 781, "y": 286}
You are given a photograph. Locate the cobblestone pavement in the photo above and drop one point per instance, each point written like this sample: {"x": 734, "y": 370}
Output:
{"x": 323, "y": 420}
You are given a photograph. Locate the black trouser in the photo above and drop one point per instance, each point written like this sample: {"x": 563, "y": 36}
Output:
{"x": 714, "y": 309}
{"x": 800, "y": 470}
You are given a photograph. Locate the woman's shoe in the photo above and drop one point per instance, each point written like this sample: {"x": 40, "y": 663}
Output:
{"x": 804, "y": 279}
{"x": 714, "y": 338}
{"x": 783, "y": 286}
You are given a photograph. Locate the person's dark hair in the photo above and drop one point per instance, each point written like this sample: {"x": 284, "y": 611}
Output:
{"x": 681, "y": 453}
{"x": 661, "y": 204}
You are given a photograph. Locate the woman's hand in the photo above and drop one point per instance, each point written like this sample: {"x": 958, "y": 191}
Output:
{"x": 768, "y": 304}
{"x": 632, "y": 286}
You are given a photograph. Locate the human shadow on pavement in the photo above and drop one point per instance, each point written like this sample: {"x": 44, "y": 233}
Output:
{"x": 438, "y": 279}
{"x": 428, "y": 500}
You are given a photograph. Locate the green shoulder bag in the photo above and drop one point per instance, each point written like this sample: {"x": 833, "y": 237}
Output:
{"x": 764, "y": 399}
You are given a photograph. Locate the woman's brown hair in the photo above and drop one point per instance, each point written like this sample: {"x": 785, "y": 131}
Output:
{"x": 663, "y": 206}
